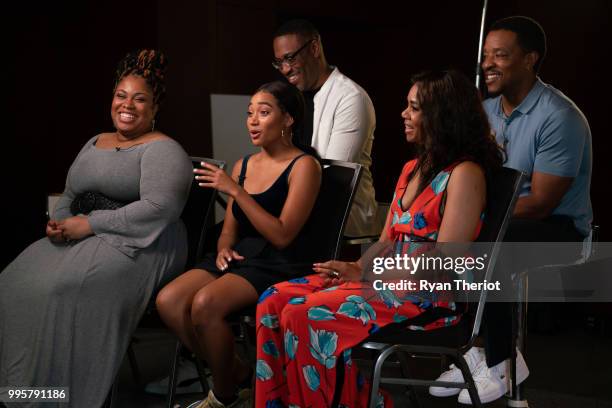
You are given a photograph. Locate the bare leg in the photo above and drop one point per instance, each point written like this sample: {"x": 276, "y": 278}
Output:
{"x": 174, "y": 305}
{"x": 241, "y": 371}
{"x": 210, "y": 306}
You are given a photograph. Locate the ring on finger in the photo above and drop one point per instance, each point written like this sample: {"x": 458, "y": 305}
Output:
{"x": 335, "y": 274}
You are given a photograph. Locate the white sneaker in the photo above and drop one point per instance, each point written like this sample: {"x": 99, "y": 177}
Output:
{"x": 187, "y": 380}
{"x": 493, "y": 383}
{"x": 473, "y": 357}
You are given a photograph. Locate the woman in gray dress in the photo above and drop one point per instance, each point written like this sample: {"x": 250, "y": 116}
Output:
{"x": 70, "y": 301}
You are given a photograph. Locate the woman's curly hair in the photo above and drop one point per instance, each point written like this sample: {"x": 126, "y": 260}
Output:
{"x": 148, "y": 64}
{"x": 454, "y": 125}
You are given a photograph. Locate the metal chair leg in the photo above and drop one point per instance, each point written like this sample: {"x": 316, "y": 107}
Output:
{"x": 380, "y": 361}
{"x": 246, "y": 340}
{"x": 202, "y": 376}
{"x": 412, "y": 395}
{"x": 172, "y": 377}
{"x": 519, "y": 325}
{"x": 111, "y": 398}
{"x": 467, "y": 375}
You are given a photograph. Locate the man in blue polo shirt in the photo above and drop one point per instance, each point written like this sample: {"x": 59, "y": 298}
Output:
{"x": 547, "y": 137}
{"x": 544, "y": 133}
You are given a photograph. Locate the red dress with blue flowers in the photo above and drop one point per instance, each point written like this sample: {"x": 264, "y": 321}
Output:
{"x": 304, "y": 329}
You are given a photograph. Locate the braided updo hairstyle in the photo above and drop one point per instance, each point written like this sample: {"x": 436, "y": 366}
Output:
{"x": 148, "y": 64}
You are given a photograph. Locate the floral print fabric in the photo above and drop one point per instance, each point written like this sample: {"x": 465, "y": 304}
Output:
{"x": 424, "y": 216}
{"x": 306, "y": 331}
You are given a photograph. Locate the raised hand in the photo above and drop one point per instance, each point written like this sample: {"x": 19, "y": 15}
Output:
{"x": 214, "y": 177}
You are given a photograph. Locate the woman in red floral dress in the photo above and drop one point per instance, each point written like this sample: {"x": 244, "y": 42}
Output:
{"x": 307, "y": 326}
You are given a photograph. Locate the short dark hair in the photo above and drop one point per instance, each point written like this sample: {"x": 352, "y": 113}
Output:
{"x": 148, "y": 64}
{"x": 301, "y": 27}
{"x": 529, "y": 33}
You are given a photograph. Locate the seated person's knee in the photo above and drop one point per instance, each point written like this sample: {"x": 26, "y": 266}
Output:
{"x": 205, "y": 308}
{"x": 293, "y": 313}
{"x": 167, "y": 300}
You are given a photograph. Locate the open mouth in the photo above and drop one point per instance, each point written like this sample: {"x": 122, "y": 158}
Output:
{"x": 126, "y": 117}
{"x": 293, "y": 78}
{"x": 492, "y": 76}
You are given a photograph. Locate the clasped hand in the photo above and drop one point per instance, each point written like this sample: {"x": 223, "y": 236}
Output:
{"x": 68, "y": 229}
{"x": 338, "y": 272}
{"x": 214, "y": 177}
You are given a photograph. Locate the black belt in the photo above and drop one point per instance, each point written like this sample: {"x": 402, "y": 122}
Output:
{"x": 89, "y": 201}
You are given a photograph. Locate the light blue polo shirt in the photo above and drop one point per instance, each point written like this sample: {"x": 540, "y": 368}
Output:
{"x": 547, "y": 133}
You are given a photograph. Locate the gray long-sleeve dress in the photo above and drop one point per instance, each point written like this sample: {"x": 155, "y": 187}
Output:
{"x": 67, "y": 310}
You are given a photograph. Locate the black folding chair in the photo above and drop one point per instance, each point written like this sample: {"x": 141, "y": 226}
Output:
{"x": 197, "y": 213}
{"x": 322, "y": 234}
{"x": 451, "y": 341}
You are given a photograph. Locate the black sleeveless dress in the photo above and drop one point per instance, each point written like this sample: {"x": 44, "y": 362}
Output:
{"x": 264, "y": 265}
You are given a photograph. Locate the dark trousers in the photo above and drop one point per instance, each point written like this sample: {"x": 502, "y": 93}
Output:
{"x": 497, "y": 318}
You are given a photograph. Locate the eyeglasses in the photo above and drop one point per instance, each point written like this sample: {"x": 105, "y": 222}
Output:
{"x": 289, "y": 59}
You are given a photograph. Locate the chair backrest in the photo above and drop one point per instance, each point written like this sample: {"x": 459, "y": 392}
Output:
{"x": 197, "y": 211}
{"x": 502, "y": 194}
{"x": 321, "y": 237}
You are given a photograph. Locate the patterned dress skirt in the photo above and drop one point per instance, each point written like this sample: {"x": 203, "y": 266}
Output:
{"x": 304, "y": 331}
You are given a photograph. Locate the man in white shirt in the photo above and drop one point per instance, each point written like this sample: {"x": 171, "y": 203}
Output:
{"x": 339, "y": 119}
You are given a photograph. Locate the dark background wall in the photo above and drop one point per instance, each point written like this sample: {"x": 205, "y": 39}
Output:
{"x": 59, "y": 64}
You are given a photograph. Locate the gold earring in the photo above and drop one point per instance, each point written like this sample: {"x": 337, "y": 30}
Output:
{"x": 283, "y": 133}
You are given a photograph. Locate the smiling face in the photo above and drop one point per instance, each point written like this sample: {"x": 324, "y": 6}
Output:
{"x": 266, "y": 121}
{"x": 506, "y": 66}
{"x": 302, "y": 72}
{"x": 133, "y": 109}
{"x": 413, "y": 117}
